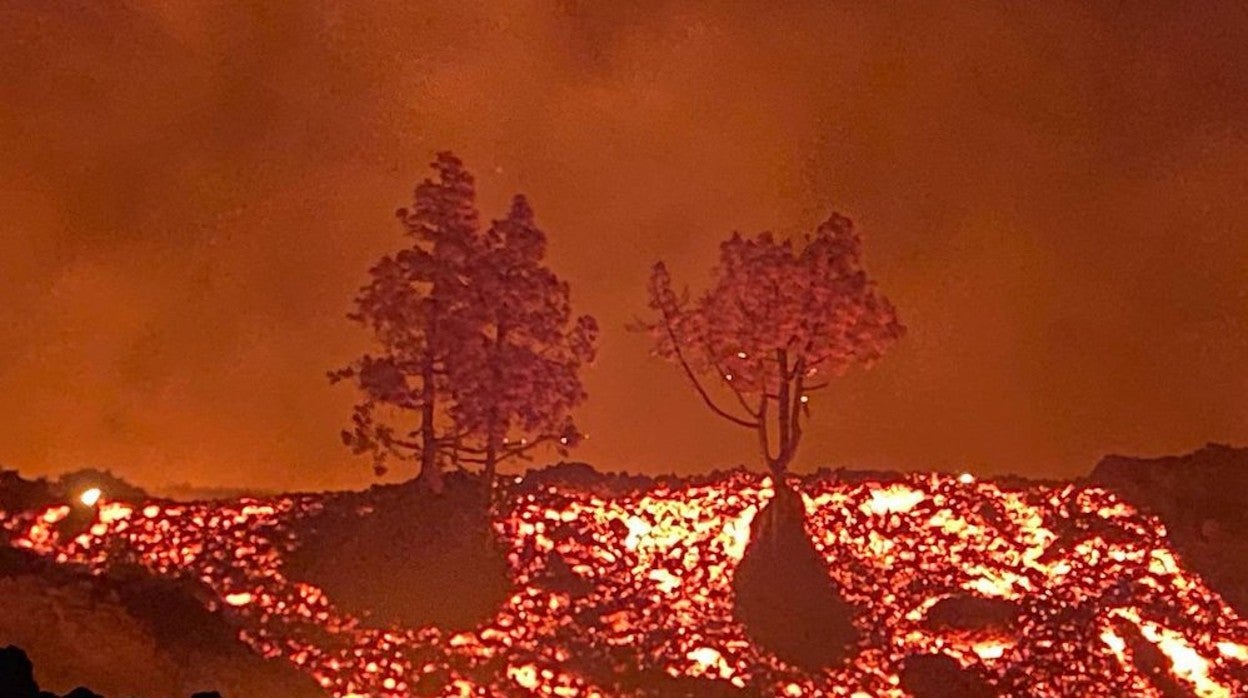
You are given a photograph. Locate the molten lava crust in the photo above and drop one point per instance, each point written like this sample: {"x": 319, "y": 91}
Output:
{"x": 1088, "y": 598}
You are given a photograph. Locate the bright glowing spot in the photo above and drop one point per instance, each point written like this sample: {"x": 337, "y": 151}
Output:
{"x": 966, "y": 478}
{"x": 990, "y": 649}
{"x": 525, "y": 675}
{"x": 1233, "y": 650}
{"x": 738, "y": 533}
{"x": 1116, "y": 644}
{"x": 709, "y": 658}
{"x": 112, "y": 513}
{"x": 894, "y": 499}
{"x": 90, "y": 497}
{"x": 805, "y": 399}
{"x": 740, "y": 355}
{"x": 240, "y": 599}
{"x": 637, "y": 527}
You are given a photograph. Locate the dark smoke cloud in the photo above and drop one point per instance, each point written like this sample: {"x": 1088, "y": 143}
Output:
{"x": 1053, "y": 194}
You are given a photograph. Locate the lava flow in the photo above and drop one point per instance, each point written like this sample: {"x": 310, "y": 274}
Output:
{"x": 1094, "y": 583}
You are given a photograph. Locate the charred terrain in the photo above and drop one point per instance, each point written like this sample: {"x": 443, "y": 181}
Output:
{"x": 576, "y": 583}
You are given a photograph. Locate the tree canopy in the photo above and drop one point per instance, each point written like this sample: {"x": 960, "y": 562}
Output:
{"x": 477, "y": 354}
{"x": 779, "y": 319}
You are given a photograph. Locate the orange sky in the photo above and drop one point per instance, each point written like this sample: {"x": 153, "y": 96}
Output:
{"x": 1055, "y": 197}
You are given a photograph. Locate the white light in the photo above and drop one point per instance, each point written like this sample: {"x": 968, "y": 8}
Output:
{"x": 805, "y": 399}
{"x": 90, "y": 497}
{"x": 727, "y": 376}
{"x": 241, "y": 598}
{"x": 966, "y": 478}
{"x": 740, "y": 355}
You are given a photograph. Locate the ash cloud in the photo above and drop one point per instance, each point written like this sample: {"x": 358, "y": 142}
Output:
{"x": 1053, "y": 196}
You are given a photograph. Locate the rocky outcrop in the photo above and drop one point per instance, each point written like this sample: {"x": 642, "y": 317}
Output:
{"x": 1203, "y": 500}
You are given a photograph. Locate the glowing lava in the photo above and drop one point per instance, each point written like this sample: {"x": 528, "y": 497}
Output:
{"x": 1089, "y": 577}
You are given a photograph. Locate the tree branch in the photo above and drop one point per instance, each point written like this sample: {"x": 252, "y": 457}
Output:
{"x": 740, "y": 397}
{"x": 667, "y": 325}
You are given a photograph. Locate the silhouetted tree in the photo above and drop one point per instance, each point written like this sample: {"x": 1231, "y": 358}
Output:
{"x": 413, "y": 305}
{"x": 476, "y": 340}
{"x": 778, "y": 320}
{"x": 516, "y": 384}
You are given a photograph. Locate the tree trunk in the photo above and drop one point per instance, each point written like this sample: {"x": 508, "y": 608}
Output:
{"x": 430, "y": 472}
{"x": 491, "y": 455}
{"x": 785, "y": 454}
{"x": 493, "y": 439}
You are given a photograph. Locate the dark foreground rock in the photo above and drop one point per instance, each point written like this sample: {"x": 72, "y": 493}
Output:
{"x": 127, "y": 635}
{"x": 784, "y": 597}
{"x": 940, "y": 676}
{"x": 17, "y": 679}
{"x": 1203, "y": 500}
{"x": 442, "y": 565}
{"x": 968, "y": 613}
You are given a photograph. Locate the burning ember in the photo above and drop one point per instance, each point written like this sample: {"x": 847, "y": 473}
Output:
{"x": 90, "y": 497}
{"x": 1101, "y": 599}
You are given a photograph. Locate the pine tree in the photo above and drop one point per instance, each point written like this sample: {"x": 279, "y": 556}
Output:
{"x": 478, "y": 355}
{"x": 776, "y": 322}
{"x": 414, "y": 305}
{"x": 518, "y": 381}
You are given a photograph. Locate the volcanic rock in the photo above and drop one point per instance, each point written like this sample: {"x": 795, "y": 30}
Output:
{"x": 784, "y": 597}
{"x": 972, "y": 613}
{"x": 1203, "y": 500}
{"x": 558, "y": 576}
{"x": 940, "y": 676}
{"x": 17, "y": 679}
{"x": 582, "y": 477}
{"x": 19, "y": 494}
{"x": 115, "y": 488}
{"x": 432, "y": 558}
{"x": 17, "y": 674}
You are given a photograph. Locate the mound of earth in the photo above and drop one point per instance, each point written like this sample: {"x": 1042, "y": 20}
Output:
{"x": 972, "y": 614}
{"x": 1202, "y": 498}
{"x": 400, "y": 554}
{"x": 940, "y": 676}
{"x": 129, "y": 635}
{"x": 784, "y": 597}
